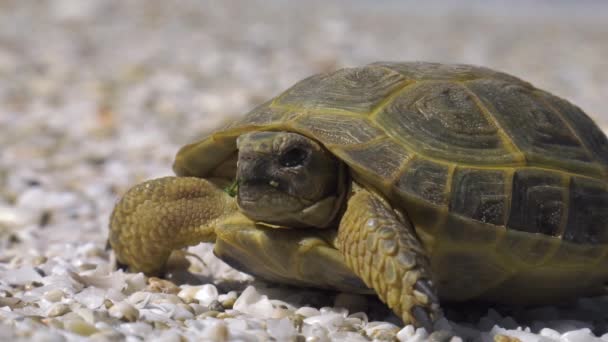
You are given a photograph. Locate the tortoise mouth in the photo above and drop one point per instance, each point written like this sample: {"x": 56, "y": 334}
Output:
{"x": 264, "y": 202}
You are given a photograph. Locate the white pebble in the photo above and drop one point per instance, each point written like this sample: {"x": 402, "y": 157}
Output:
{"x": 315, "y": 332}
{"x": 138, "y": 328}
{"x": 232, "y": 295}
{"x": 206, "y": 294}
{"x": 347, "y": 336}
{"x": 20, "y": 276}
{"x": 236, "y": 324}
{"x": 135, "y": 282}
{"x": 253, "y": 303}
{"x": 54, "y": 295}
{"x": 182, "y": 312}
{"x": 582, "y": 335}
{"x": 166, "y": 336}
{"x": 47, "y": 336}
{"x": 197, "y": 308}
{"x": 58, "y": 309}
{"x": 420, "y": 335}
{"x": 307, "y": 311}
{"x": 341, "y": 311}
{"x": 550, "y": 333}
{"x": 217, "y": 331}
{"x": 140, "y": 299}
{"x": 281, "y": 329}
{"x": 378, "y": 328}
{"x": 522, "y": 334}
{"x": 13, "y": 217}
{"x": 328, "y": 320}
{"x": 154, "y": 315}
{"x": 85, "y": 313}
{"x": 124, "y": 310}
{"x": 79, "y": 327}
{"x": 91, "y": 297}
{"x": 114, "y": 295}
{"x": 187, "y": 293}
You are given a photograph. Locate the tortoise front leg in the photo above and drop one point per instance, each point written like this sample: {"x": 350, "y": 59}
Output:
{"x": 161, "y": 215}
{"x": 382, "y": 248}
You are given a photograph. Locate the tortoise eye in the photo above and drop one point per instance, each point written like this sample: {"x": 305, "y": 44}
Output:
{"x": 293, "y": 157}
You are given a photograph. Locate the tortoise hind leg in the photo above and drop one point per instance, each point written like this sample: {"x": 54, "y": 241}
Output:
{"x": 382, "y": 249}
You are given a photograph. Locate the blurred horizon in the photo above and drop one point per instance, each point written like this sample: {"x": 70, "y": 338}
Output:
{"x": 258, "y": 48}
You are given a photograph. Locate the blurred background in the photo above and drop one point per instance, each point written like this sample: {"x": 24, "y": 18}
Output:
{"x": 97, "y": 95}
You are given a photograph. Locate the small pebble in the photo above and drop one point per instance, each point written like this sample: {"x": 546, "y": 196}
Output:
{"x": 381, "y": 330}
{"x": 80, "y": 327}
{"x": 216, "y": 306}
{"x": 11, "y": 302}
{"x": 505, "y": 338}
{"x": 330, "y": 320}
{"x": 182, "y": 312}
{"x": 307, "y": 311}
{"x": 162, "y": 286}
{"x": 54, "y": 295}
{"x": 228, "y": 303}
{"x": 206, "y": 294}
{"x": 253, "y": 303}
{"x": 125, "y": 311}
{"x": 218, "y": 331}
{"x": 47, "y": 336}
{"x": 58, "y": 309}
{"x": 137, "y": 328}
{"x": 209, "y": 314}
{"x": 281, "y": 329}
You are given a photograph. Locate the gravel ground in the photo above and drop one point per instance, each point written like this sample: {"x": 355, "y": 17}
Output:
{"x": 96, "y": 96}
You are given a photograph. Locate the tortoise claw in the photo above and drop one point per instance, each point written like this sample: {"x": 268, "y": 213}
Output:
{"x": 422, "y": 317}
{"x": 431, "y": 311}
{"x": 426, "y": 287}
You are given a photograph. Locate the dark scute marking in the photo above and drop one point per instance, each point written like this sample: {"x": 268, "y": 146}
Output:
{"x": 426, "y": 180}
{"x": 448, "y": 72}
{"x": 533, "y": 125}
{"x": 584, "y": 126}
{"x": 352, "y": 89}
{"x": 538, "y": 202}
{"x": 337, "y": 129}
{"x": 382, "y": 158}
{"x": 480, "y": 195}
{"x": 588, "y": 215}
{"x": 441, "y": 119}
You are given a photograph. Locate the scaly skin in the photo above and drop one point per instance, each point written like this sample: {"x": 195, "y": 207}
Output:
{"x": 384, "y": 251}
{"x": 161, "y": 215}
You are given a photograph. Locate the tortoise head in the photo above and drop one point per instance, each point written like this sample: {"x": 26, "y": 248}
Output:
{"x": 288, "y": 179}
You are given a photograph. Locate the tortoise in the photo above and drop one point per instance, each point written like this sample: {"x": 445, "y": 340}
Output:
{"x": 416, "y": 181}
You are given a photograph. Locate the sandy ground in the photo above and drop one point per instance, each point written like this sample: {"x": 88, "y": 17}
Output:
{"x": 98, "y": 95}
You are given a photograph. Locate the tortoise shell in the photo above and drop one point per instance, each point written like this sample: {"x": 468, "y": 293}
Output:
{"x": 484, "y": 164}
